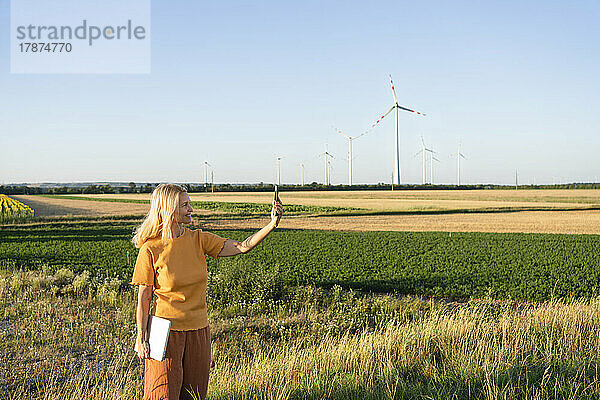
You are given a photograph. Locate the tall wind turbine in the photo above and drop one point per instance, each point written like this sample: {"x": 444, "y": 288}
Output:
{"x": 396, "y": 107}
{"x": 302, "y": 172}
{"x": 278, "y": 167}
{"x": 424, "y": 151}
{"x": 432, "y": 159}
{"x": 458, "y": 155}
{"x": 206, "y": 165}
{"x": 350, "y": 139}
{"x": 326, "y": 156}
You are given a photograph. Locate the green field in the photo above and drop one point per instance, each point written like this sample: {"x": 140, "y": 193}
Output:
{"x": 497, "y": 266}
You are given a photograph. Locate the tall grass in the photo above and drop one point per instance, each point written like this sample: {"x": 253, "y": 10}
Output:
{"x": 478, "y": 352}
{"x": 70, "y": 336}
{"x": 66, "y": 337}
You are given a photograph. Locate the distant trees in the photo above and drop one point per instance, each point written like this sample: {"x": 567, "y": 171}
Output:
{"x": 98, "y": 189}
{"x": 266, "y": 187}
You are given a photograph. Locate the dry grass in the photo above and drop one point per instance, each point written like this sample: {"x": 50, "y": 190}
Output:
{"x": 533, "y": 354}
{"x": 62, "y": 340}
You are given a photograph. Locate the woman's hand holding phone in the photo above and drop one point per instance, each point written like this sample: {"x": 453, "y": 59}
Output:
{"x": 277, "y": 210}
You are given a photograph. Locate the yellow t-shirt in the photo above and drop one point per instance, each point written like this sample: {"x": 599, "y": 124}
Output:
{"x": 178, "y": 273}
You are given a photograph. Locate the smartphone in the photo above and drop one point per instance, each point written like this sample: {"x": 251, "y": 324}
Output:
{"x": 276, "y": 195}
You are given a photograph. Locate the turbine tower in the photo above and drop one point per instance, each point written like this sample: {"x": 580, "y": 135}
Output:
{"x": 350, "y": 139}
{"x": 206, "y": 165}
{"x": 432, "y": 159}
{"x": 424, "y": 151}
{"x": 458, "y": 155}
{"x": 278, "y": 168}
{"x": 326, "y": 156}
{"x": 396, "y": 107}
{"x": 301, "y": 165}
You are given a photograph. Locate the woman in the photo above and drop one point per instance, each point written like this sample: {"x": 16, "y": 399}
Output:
{"x": 172, "y": 266}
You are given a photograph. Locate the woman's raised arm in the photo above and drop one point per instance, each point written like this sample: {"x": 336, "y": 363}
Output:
{"x": 233, "y": 247}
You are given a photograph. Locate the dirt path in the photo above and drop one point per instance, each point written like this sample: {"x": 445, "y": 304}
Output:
{"x": 52, "y": 207}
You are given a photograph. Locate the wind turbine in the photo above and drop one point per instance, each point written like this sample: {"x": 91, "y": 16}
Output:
{"x": 326, "y": 156}
{"x": 301, "y": 165}
{"x": 278, "y": 166}
{"x": 458, "y": 155}
{"x": 206, "y": 165}
{"x": 424, "y": 151}
{"x": 350, "y": 139}
{"x": 396, "y": 107}
{"x": 432, "y": 159}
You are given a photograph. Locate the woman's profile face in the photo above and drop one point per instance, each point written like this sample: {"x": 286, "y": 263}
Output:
{"x": 183, "y": 214}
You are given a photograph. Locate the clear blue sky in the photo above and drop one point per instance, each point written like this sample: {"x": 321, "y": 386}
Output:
{"x": 237, "y": 82}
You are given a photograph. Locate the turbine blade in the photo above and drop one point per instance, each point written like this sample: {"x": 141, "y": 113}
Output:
{"x": 379, "y": 120}
{"x": 362, "y": 134}
{"x": 341, "y": 133}
{"x": 393, "y": 90}
{"x": 409, "y": 110}
{"x": 417, "y": 153}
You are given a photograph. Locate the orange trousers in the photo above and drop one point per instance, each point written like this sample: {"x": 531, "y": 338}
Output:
{"x": 184, "y": 369}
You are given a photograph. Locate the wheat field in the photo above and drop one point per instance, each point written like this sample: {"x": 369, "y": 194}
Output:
{"x": 408, "y": 200}
{"x": 528, "y": 211}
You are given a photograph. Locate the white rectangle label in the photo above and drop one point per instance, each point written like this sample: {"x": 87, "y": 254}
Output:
{"x": 74, "y": 36}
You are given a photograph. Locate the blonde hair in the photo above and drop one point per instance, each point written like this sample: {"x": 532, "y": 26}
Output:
{"x": 160, "y": 218}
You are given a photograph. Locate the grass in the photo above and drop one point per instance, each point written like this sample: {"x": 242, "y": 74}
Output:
{"x": 68, "y": 336}
{"x": 63, "y": 338}
{"x": 499, "y": 266}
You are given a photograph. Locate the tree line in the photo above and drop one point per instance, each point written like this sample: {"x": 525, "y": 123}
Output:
{"x": 267, "y": 187}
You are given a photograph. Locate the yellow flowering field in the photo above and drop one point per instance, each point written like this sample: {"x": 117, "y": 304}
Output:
{"x": 12, "y": 210}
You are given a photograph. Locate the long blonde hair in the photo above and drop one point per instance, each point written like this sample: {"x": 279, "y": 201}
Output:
{"x": 160, "y": 218}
